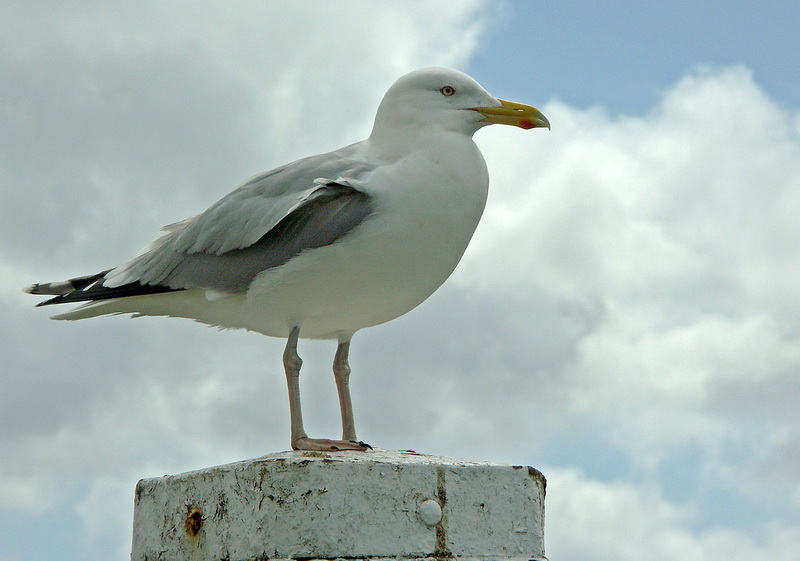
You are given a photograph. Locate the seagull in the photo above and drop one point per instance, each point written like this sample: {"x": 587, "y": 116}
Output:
{"x": 326, "y": 245}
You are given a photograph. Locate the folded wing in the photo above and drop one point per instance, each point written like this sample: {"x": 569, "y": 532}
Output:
{"x": 190, "y": 256}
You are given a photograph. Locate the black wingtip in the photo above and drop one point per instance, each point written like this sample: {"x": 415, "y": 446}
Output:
{"x": 48, "y": 302}
{"x": 89, "y": 289}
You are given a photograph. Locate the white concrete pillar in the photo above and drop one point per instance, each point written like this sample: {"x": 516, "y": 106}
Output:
{"x": 313, "y": 505}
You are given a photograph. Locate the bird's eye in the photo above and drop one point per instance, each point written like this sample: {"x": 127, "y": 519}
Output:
{"x": 447, "y": 90}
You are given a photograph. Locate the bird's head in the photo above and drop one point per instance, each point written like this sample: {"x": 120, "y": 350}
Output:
{"x": 451, "y": 100}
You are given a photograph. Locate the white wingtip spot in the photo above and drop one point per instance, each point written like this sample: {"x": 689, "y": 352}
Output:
{"x": 214, "y": 295}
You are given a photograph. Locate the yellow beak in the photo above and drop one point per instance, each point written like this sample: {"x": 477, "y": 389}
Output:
{"x": 517, "y": 114}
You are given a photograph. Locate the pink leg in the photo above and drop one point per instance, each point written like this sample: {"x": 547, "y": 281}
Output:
{"x": 300, "y": 440}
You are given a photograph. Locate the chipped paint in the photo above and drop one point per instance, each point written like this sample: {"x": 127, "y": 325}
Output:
{"x": 442, "y": 551}
{"x": 296, "y": 505}
{"x": 194, "y": 521}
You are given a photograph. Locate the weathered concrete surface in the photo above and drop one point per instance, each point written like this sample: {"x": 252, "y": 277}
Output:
{"x": 314, "y": 505}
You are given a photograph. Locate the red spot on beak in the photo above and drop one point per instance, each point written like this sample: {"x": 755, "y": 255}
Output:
{"x": 526, "y": 124}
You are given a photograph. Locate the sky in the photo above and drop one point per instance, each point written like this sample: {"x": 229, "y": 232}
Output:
{"x": 626, "y": 319}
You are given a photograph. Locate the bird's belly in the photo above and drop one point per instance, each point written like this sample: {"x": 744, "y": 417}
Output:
{"x": 384, "y": 268}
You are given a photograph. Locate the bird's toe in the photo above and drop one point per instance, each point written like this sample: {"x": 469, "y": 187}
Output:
{"x": 327, "y": 445}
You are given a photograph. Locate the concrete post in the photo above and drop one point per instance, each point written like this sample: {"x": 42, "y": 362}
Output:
{"x": 346, "y": 505}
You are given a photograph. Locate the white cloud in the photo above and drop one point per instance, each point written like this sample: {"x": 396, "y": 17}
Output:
{"x": 624, "y": 522}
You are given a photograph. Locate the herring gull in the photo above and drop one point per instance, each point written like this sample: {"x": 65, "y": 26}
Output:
{"x": 326, "y": 245}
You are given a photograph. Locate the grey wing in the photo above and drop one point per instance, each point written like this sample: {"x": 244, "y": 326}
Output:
{"x": 327, "y": 214}
{"x": 261, "y": 224}
{"x": 332, "y": 212}
{"x": 239, "y": 219}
